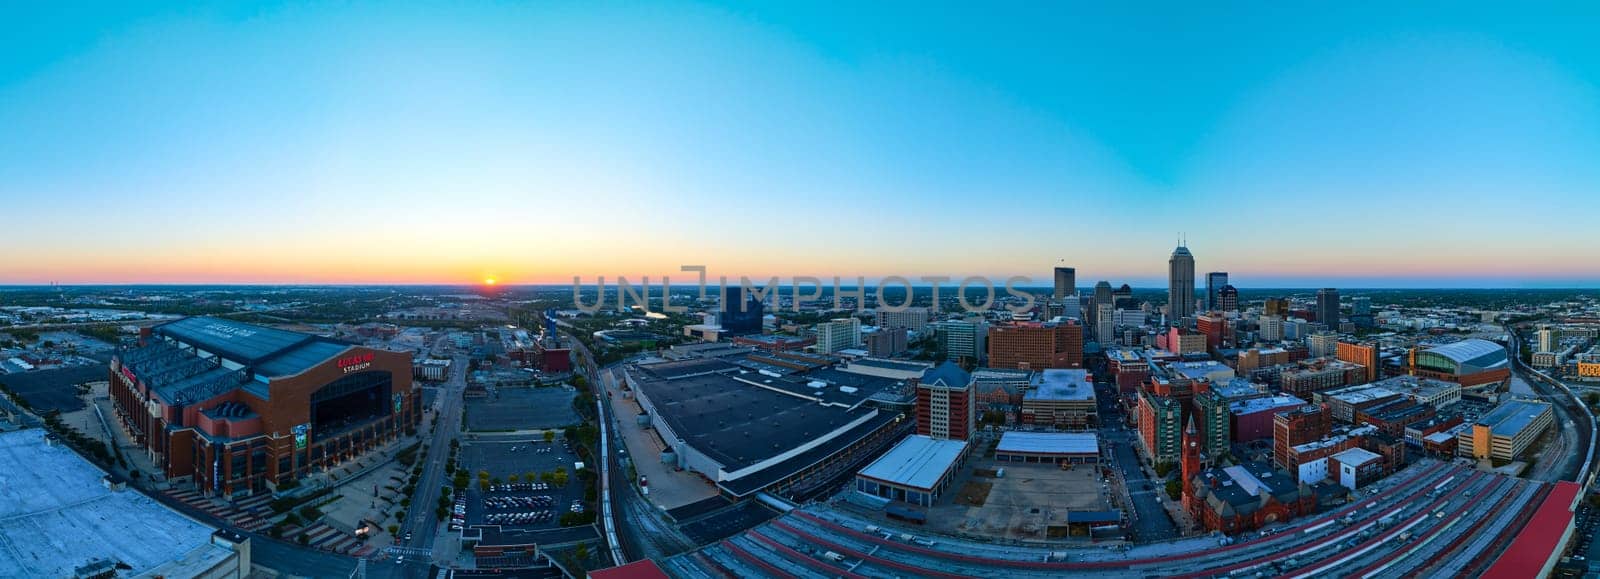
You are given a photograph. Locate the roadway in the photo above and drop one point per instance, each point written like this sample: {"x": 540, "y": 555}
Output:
{"x": 420, "y": 518}
{"x": 1572, "y": 418}
{"x": 1148, "y": 519}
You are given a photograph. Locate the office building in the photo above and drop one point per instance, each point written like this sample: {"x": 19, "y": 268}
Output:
{"x": 1276, "y": 307}
{"x": 1215, "y": 327}
{"x": 1180, "y": 285}
{"x": 946, "y": 405}
{"x": 1252, "y": 418}
{"x": 1363, "y": 353}
{"x": 1328, "y": 307}
{"x": 1213, "y": 290}
{"x": 1180, "y": 341}
{"x": 911, "y": 318}
{"x": 884, "y": 342}
{"x": 1036, "y": 345}
{"x": 1271, "y": 329}
{"x": 961, "y": 339}
{"x": 1066, "y": 282}
{"x": 1301, "y": 425}
{"x": 1060, "y": 398}
{"x": 1322, "y": 344}
{"x": 1122, "y": 297}
{"x": 741, "y": 313}
{"x": 1211, "y": 413}
{"x": 838, "y": 334}
{"x": 1228, "y": 299}
{"x": 1311, "y": 376}
{"x": 1548, "y": 337}
{"x": 1159, "y": 430}
{"x": 1105, "y": 324}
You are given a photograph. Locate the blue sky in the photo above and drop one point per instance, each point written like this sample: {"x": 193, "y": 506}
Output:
{"x": 1363, "y": 145}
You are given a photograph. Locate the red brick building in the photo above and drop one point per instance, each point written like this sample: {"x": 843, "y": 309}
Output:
{"x": 234, "y": 408}
{"x": 1036, "y": 346}
{"x": 1295, "y": 427}
{"x": 946, "y": 406}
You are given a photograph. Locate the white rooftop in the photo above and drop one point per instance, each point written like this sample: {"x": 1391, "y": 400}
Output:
{"x": 1061, "y": 384}
{"x": 55, "y": 515}
{"x": 1050, "y": 442}
{"x": 1439, "y": 437}
{"x": 1357, "y": 456}
{"x": 917, "y": 462}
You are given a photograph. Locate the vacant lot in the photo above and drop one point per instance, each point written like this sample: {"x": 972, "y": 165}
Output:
{"x": 1022, "y": 504}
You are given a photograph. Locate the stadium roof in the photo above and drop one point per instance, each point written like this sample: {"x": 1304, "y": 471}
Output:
{"x": 268, "y": 351}
{"x": 56, "y": 515}
{"x": 1475, "y": 353}
{"x": 1061, "y": 384}
{"x": 917, "y": 462}
{"x": 237, "y": 341}
{"x": 1049, "y": 443}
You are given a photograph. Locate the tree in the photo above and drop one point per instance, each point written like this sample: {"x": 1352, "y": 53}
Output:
{"x": 483, "y": 475}
{"x": 1175, "y": 489}
{"x": 511, "y": 478}
{"x": 550, "y": 435}
{"x": 560, "y": 477}
{"x": 581, "y": 551}
{"x": 394, "y": 529}
{"x": 483, "y": 484}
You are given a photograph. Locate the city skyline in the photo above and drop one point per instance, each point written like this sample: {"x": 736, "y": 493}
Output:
{"x": 1349, "y": 147}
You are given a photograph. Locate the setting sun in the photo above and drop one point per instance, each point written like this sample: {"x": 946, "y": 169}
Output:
{"x": 488, "y": 281}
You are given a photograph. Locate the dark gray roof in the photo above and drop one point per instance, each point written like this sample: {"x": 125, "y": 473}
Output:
{"x": 237, "y": 341}
{"x": 948, "y": 374}
{"x": 738, "y": 424}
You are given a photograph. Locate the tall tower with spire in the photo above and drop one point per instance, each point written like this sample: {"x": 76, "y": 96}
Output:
{"x": 1190, "y": 464}
{"x": 1180, "y": 284}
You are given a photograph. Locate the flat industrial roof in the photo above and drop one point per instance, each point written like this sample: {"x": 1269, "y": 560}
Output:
{"x": 1273, "y": 403}
{"x": 1357, "y": 456}
{"x": 1511, "y": 416}
{"x": 1049, "y": 443}
{"x": 56, "y": 515}
{"x": 1361, "y": 394}
{"x": 1061, "y": 384}
{"x": 917, "y": 462}
{"x": 738, "y": 424}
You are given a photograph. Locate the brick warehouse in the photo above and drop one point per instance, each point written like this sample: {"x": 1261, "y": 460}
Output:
{"x": 236, "y": 408}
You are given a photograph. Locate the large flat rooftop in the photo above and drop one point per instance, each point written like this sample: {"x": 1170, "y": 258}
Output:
{"x": 56, "y": 515}
{"x": 739, "y": 422}
{"x": 1512, "y": 416}
{"x": 1061, "y": 384}
{"x": 916, "y": 462}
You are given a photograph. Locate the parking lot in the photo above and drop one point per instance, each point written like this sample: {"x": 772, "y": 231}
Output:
{"x": 57, "y": 389}
{"x": 1023, "y": 504}
{"x": 508, "y": 409}
{"x": 527, "y": 503}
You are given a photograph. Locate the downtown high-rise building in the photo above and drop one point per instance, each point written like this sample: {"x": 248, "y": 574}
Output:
{"x": 1066, "y": 282}
{"x": 1180, "y": 285}
{"x": 1214, "y": 284}
{"x": 1328, "y": 307}
{"x": 1228, "y": 299}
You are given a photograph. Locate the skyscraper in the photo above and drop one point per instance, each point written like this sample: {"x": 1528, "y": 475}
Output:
{"x": 1214, "y": 282}
{"x": 1123, "y": 298}
{"x": 1228, "y": 299}
{"x": 1180, "y": 284}
{"x": 1102, "y": 295}
{"x": 741, "y": 312}
{"x": 1066, "y": 282}
{"x": 1328, "y": 307}
{"x": 1277, "y": 307}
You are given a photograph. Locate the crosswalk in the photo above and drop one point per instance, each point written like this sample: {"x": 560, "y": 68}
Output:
{"x": 410, "y": 551}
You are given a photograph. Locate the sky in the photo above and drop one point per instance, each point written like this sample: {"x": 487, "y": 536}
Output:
{"x": 1355, "y": 144}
